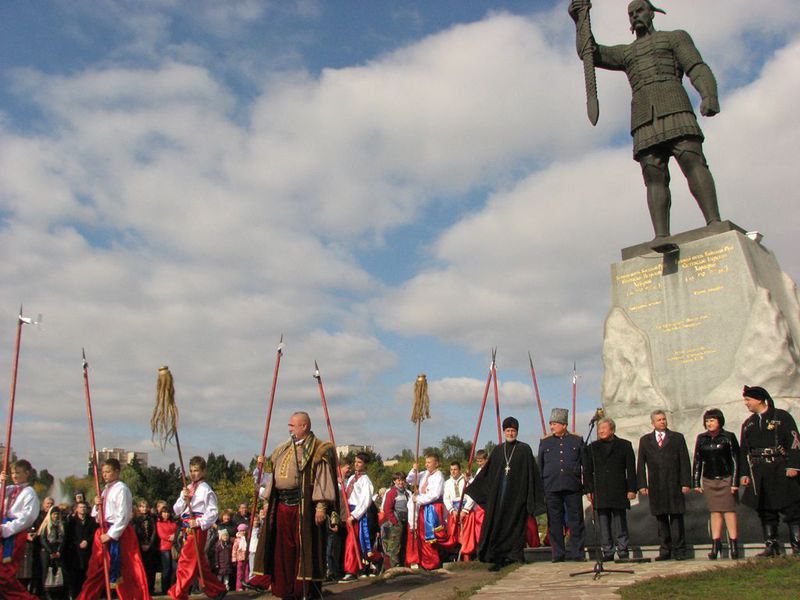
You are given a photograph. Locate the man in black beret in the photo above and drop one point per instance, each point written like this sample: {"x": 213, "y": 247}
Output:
{"x": 509, "y": 488}
{"x": 770, "y": 465}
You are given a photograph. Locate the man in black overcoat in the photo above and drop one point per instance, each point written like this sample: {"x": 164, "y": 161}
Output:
{"x": 78, "y": 537}
{"x": 664, "y": 474}
{"x": 770, "y": 446}
{"x": 610, "y": 482}
{"x": 509, "y": 489}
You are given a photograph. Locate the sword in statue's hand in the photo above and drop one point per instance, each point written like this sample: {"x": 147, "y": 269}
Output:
{"x": 586, "y": 50}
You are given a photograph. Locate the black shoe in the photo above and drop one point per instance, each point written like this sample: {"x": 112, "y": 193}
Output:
{"x": 608, "y": 558}
{"x": 661, "y": 557}
{"x": 716, "y": 548}
{"x": 794, "y": 538}
{"x": 220, "y": 596}
{"x": 577, "y": 559}
{"x": 734, "y": 549}
{"x": 496, "y": 567}
{"x": 622, "y": 556}
{"x": 771, "y": 548}
{"x": 558, "y": 559}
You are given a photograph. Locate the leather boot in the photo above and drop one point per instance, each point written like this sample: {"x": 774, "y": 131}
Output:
{"x": 734, "y": 549}
{"x": 716, "y": 548}
{"x": 770, "y": 541}
{"x": 794, "y": 538}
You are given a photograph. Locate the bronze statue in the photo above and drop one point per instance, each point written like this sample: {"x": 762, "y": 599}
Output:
{"x": 663, "y": 123}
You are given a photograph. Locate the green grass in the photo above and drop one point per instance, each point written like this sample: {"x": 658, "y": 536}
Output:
{"x": 774, "y": 579}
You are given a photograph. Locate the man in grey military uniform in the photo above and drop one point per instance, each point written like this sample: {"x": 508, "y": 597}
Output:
{"x": 561, "y": 460}
{"x": 663, "y": 123}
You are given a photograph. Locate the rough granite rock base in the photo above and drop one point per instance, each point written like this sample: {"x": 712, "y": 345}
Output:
{"x": 688, "y": 329}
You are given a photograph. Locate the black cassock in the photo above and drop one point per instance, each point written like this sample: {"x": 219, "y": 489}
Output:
{"x": 508, "y": 497}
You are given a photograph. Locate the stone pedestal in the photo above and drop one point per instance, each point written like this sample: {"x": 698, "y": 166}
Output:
{"x": 688, "y": 329}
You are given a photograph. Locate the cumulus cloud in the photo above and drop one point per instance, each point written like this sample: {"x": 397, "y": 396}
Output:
{"x": 156, "y": 214}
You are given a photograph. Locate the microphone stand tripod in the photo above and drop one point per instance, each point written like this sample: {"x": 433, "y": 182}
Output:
{"x": 598, "y": 570}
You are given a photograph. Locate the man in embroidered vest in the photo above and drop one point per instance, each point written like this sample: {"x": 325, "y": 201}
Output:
{"x": 20, "y": 511}
{"x": 198, "y": 510}
{"x": 663, "y": 123}
{"x": 301, "y": 492}
{"x": 430, "y": 512}
{"x": 770, "y": 446}
{"x": 117, "y": 539}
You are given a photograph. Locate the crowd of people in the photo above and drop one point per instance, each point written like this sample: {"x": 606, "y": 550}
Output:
{"x": 323, "y": 519}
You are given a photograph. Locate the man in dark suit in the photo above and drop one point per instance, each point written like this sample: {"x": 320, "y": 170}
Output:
{"x": 664, "y": 474}
{"x": 610, "y": 482}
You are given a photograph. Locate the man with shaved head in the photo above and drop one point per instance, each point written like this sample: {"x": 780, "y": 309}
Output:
{"x": 663, "y": 123}
{"x": 302, "y": 496}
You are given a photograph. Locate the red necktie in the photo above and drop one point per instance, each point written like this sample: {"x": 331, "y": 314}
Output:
{"x": 660, "y": 440}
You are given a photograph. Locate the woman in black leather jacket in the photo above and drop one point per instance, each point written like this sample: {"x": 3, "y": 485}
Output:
{"x": 716, "y": 475}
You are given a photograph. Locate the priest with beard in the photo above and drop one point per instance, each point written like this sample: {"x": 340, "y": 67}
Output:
{"x": 509, "y": 488}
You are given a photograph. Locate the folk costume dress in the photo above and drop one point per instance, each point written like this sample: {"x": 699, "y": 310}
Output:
{"x": 126, "y": 569}
{"x": 21, "y": 510}
{"x": 359, "y": 490}
{"x": 509, "y": 489}
{"x": 430, "y": 520}
{"x": 291, "y": 547}
{"x": 202, "y": 507}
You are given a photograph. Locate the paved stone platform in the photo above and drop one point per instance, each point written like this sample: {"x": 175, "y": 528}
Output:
{"x": 545, "y": 581}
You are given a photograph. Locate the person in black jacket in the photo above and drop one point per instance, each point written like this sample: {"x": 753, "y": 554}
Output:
{"x": 716, "y": 475}
{"x": 144, "y": 524}
{"x": 78, "y": 538}
{"x": 771, "y": 468}
{"x": 610, "y": 482}
{"x": 561, "y": 460}
{"x": 664, "y": 473}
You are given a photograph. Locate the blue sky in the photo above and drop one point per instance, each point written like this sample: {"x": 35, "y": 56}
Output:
{"x": 397, "y": 187}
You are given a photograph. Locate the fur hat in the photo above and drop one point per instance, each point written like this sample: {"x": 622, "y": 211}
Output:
{"x": 510, "y": 422}
{"x": 559, "y": 415}
{"x": 758, "y": 393}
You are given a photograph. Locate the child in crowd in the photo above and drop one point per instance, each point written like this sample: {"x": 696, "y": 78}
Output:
{"x": 223, "y": 553}
{"x": 240, "y": 556}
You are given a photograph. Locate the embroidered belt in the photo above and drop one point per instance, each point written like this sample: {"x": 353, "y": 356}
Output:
{"x": 289, "y": 497}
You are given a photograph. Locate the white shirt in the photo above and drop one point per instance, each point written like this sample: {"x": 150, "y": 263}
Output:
{"x": 452, "y": 492}
{"x": 117, "y": 508}
{"x": 432, "y": 483}
{"x": 22, "y": 512}
{"x": 361, "y": 494}
{"x": 203, "y": 501}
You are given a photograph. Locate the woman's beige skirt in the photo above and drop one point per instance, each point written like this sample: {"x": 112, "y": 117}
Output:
{"x": 718, "y": 495}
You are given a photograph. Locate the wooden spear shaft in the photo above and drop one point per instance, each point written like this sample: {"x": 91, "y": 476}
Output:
{"x": 100, "y": 507}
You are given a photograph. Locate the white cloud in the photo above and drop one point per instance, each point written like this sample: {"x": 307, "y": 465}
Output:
{"x": 154, "y": 220}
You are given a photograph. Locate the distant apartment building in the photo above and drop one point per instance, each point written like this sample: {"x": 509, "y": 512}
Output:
{"x": 353, "y": 449}
{"x": 125, "y": 457}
